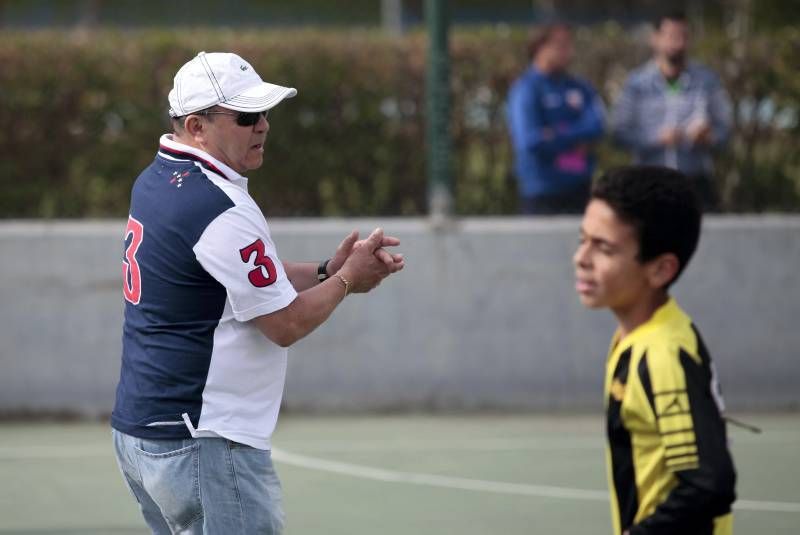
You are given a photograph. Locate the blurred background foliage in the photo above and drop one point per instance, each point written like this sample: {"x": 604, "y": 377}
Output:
{"x": 81, "y": 109}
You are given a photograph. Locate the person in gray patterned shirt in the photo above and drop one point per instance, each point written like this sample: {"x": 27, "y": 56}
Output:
{"x": 674, "y": 112}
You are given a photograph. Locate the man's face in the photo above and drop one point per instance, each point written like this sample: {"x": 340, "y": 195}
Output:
{"x": 607, "y": 270}
{"x": 560, "y": 49}
{"x": 671, "y": 41}
{"x": 239, "y": 147}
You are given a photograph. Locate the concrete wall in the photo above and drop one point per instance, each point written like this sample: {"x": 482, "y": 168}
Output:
{"x": 484, "y": 317}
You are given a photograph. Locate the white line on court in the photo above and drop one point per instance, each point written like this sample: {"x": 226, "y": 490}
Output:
{"x": 380, "y": 474}
{"x": 392, "y": 476}
{"x": 480, "y": 485}
{"x": 581, "y": 442}
{"x": 488, "y": 444}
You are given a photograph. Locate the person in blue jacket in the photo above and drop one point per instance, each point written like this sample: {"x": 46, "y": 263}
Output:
{"x": 553, "y": 119}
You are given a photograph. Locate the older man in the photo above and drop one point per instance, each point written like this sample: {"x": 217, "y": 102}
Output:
{"x": 674, "y": 112}
{"x": 210, "y": 310}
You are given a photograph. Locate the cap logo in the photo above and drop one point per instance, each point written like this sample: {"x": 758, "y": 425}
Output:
{"x": 243, "y": 67}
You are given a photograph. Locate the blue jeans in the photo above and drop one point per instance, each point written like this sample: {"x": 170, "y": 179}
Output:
{"x": 201, "y": 485}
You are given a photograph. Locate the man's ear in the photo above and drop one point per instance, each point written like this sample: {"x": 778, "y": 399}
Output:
{"x": 194, "y": 126}
{"x": 662, "y": 270}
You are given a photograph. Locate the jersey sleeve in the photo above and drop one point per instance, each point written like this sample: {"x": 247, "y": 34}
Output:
{"x": 679, "y": 389}
{"x": 529, "y": 130}
{"x": 590, "y": 126}
{"x": 237, "y": 250}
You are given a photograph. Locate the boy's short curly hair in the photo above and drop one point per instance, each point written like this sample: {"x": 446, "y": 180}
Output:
{"x": 661, "y": 204}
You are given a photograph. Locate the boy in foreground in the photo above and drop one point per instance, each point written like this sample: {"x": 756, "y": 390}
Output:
{"x": 669, "y": 468}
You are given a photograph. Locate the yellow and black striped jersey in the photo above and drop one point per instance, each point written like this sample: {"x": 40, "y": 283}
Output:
{"x": 669, "y": 468}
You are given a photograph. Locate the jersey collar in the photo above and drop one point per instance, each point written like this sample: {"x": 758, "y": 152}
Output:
{"x": 666, "y": 313}
{"x": 174, "y": 150}
{"x": 684, "y": 79}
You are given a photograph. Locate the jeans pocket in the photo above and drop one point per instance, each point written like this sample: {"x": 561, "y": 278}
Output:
{"x": 172, "y": 479}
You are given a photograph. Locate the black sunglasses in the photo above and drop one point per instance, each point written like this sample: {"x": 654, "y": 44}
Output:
{"x": 242, "y": 118}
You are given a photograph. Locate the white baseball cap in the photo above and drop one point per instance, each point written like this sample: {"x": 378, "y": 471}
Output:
{"x": 222, "y": 79}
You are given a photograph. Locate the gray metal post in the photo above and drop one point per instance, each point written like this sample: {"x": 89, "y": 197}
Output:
{"x": 437, "y": 92}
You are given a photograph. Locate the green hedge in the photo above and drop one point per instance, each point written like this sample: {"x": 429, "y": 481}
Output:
{"x": 80, "y": 116}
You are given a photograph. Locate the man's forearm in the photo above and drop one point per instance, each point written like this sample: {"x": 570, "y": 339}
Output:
{"x": 302, "y": 275}
{"x": 307, "y": 312}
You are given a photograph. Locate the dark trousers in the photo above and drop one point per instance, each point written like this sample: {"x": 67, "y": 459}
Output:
{"x": 572, "y": 201}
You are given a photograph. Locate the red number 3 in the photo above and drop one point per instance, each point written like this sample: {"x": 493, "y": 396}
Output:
{"x": 131, "y": 275}
{"x": 256, "y": 276}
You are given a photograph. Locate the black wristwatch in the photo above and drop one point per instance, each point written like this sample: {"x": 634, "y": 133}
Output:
{"x": 322, "y": 270}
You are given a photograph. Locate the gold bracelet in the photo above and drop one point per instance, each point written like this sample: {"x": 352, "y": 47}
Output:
{"x": 346, "y": 283}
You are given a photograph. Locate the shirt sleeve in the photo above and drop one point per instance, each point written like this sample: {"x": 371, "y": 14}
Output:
{"x": 590, "y": 125}
{"x": 530, "y": 132}
{"x": 626, "y": 125}
{"x": 525, "y": 121}
{"x": 678, "y": 387}
{"x": 237, "y": 250}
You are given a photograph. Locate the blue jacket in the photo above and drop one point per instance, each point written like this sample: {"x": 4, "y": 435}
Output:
{"x": 551, "y": 120}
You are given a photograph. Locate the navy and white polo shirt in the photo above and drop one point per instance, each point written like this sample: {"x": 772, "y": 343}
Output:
{"x": 198, "y": 264}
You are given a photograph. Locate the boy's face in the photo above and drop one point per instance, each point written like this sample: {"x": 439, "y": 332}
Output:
{"x": 607, "y": 270}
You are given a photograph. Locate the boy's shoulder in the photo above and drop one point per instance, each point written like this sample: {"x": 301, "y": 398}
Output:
{"x": 643, "y": 74}
{"x": 669, "y": 334}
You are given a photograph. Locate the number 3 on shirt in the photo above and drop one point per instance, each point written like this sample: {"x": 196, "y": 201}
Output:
{"x": 131, "y": 275}
{"x": 256, "y": 276}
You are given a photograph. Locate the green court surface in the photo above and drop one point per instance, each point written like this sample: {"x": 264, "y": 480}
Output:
{"x": 461, "y": 474}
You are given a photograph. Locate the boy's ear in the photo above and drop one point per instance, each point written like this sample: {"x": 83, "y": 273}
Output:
{"x": 662, "y": 270}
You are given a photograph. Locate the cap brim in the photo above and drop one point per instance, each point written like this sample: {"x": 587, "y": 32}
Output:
{"x": 259, "y": 98}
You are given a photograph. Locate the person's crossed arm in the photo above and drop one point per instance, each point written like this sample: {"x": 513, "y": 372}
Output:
{"x": 531, "y": 132}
